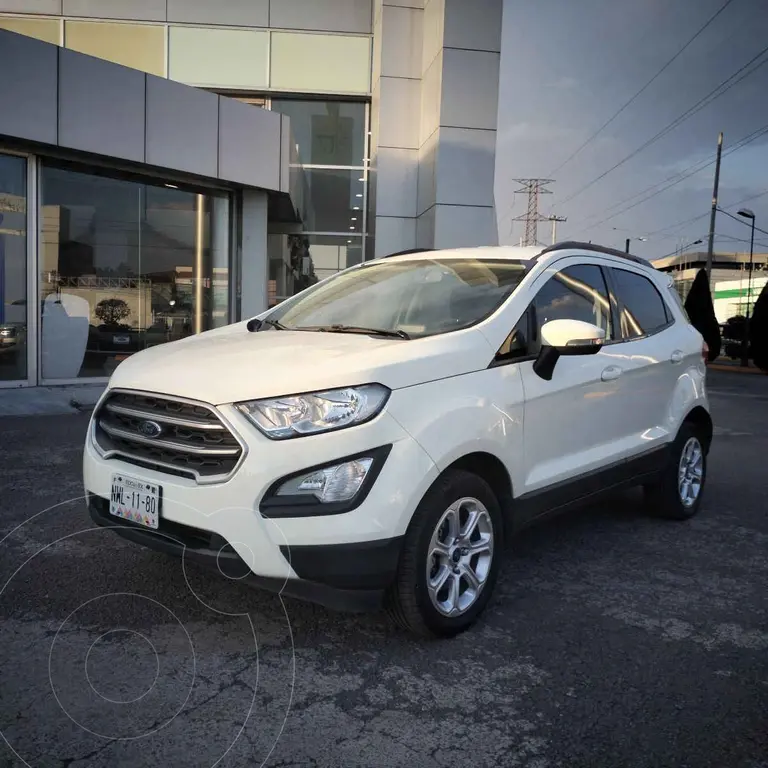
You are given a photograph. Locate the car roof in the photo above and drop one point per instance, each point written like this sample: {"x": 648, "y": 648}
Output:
{"x": 529, "y": 254}
{"x": 513, "y": 253}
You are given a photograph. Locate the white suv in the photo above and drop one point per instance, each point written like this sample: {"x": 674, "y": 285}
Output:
{"x": 382, "y": 433}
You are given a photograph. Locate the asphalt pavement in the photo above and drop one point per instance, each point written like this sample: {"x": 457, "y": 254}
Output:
{"x": 614, "y": 640}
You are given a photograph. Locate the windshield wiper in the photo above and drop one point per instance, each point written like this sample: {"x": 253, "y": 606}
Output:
{"x": 257, "y": 325}
{"x": 356, "y": 329}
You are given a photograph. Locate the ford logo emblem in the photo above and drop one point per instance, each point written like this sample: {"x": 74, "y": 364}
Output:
{"x": 150, "y": 429}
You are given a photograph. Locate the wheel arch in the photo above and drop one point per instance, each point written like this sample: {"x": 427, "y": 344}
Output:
{"x": 492, "y": 470}
{"x": 700, "y": 418}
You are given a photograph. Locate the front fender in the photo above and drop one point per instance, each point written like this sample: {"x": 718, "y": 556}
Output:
{"x": 450, "y": 421}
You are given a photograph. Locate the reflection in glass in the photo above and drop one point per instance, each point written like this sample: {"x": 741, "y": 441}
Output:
{"x": 420, "y": 297}
{"x": 327, "y": 132}
{"x": 13, "y": 268}
{"x": 124, "y": 266}
{"x": 297, "y": 262}
{"x": 333, "y": 200}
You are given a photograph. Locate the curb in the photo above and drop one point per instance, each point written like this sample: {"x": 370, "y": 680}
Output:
{"x": 734, "y": 369}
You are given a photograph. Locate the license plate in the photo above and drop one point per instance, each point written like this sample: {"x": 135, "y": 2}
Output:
{"x": 135, "y": 500}
{"x": 121, "y": 339}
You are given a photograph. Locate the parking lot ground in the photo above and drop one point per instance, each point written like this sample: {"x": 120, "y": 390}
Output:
{"x": 613, "y": 639}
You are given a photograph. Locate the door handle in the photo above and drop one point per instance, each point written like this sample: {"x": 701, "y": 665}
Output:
{"x": 611, "y": 373}
{"x": 676, "y": 357}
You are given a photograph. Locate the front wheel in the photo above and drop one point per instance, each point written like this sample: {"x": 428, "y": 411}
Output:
{"x": 450, "y": 558}
{"x": 677, "y": 493}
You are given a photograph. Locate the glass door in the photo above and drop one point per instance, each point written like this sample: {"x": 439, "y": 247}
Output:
{"x": 13, "y": 271}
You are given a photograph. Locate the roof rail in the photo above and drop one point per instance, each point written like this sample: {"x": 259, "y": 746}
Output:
{"x": 569, "y": 244}
{"x": 408, "y": 252}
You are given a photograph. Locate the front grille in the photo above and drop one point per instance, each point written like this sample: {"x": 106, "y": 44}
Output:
{"x": 192, "y": 440}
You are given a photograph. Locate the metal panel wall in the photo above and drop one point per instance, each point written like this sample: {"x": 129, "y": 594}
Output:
{"x": 182, "y": 127}
{"x": 29, "y": 97}
{"x": 60, "y": 97}
{"x": 235, "y": 13}
{"x": 143, "y": 10}
{"x": 322, "y": 15}
{"x": 101, "y": 107}
{"x": 240, "y": 157}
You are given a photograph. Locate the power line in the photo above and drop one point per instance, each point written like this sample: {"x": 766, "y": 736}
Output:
{"x": 741, "y": 221}
{"x": 701, "y": 104}
{"x": 684, "y": 175}
{"x": 642, "y": 90}
{"x": 680, "y": 224}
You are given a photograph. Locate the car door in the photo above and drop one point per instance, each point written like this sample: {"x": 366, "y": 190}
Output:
{"x": 651, "y": 356}
{"x": 571, "y": 422}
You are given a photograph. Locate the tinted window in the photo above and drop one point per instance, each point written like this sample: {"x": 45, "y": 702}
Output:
{"x": 516, "y": 344}
{"x": 574, "y": 293}
{"x": 643, "y": 311}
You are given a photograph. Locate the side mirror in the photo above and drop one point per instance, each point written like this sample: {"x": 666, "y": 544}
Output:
{"x": 566, "y": 337}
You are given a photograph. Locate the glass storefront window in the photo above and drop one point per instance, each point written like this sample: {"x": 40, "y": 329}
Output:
{"x": 13, "y": 268}
{"x": 126, "y": 265}
{"x": 333, "y": 200}
{"x": 298, "y": 261}
{"x": 327, "y": 132}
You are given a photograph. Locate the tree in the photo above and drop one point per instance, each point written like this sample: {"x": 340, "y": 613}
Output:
{"x": 701, "y": 312}
{"x": 112, "y": 311}
{"x": 758, "y": 330}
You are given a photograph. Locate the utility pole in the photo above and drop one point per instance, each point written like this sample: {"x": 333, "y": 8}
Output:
{"x": 554, "y": 219}
{"x": 626, "y": 245}
{"x": 711, "y": 245}
{"x": 533, "y": 188}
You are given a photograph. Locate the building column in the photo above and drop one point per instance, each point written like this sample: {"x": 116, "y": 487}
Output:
{"x": 254, "y": 268}
{"x": 435, "y": 103}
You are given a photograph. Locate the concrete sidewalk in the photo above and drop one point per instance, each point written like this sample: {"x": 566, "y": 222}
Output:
{"x": 49, "y": 401}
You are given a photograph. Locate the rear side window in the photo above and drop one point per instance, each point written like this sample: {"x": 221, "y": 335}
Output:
{"x": 643, "y": 310}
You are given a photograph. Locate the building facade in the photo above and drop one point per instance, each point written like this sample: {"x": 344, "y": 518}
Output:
{"x": 170, "y": 166}
{"x": 734, "y": 288}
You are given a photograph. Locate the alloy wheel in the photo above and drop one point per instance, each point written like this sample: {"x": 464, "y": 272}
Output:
{"x": 460, "y": 556}
{"x": 690, "y": 472}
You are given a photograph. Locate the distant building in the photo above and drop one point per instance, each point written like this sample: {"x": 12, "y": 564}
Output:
{"x": 730, "y": 278}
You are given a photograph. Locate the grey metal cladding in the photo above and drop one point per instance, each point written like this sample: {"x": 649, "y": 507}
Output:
{"x": 31, "y": 89}
{"x": 101, "y": 106}
{"x": 322, "y": 15}
{"x": 142, "y": 10}
{"x": 235, "y": 13}
{"x": 249, "y": 144}
{"x": 48, "y": 7}
{"x": 182, "y": 127}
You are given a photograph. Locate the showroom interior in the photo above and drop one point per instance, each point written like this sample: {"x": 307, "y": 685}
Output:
{"x": 171, "y": 166}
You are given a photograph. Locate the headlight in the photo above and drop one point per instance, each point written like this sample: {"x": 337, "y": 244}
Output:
{"x": 284, "y": 417}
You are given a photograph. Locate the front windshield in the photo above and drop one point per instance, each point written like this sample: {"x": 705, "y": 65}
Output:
{"x": 419, "y": 297}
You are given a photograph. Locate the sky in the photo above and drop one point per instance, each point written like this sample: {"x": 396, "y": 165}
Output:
{"x": 567, "y": 66}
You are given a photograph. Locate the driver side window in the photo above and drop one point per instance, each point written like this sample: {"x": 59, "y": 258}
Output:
{"x": 575, "y": 293}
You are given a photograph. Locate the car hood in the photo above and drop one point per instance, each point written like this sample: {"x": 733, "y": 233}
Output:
{"x": 230, "y": 364}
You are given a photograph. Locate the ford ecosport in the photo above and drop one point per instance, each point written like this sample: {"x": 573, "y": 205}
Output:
{"x": 378, "y": 436}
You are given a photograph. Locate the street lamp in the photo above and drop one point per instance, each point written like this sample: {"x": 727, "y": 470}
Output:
{"x": 748, "y": 214}
{"x": 629, "y": 239}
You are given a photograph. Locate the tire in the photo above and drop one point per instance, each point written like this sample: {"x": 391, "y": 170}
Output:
{"x": 409, "y": 601}
{"x": 667, "y": 498}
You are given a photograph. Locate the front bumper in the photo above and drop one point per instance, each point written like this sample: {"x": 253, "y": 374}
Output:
{"x": 345, "y": 577}
{"x": 318, "y": 557}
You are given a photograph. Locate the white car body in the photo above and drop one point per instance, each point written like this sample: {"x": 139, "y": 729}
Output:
{"x": 547, "y": 442}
